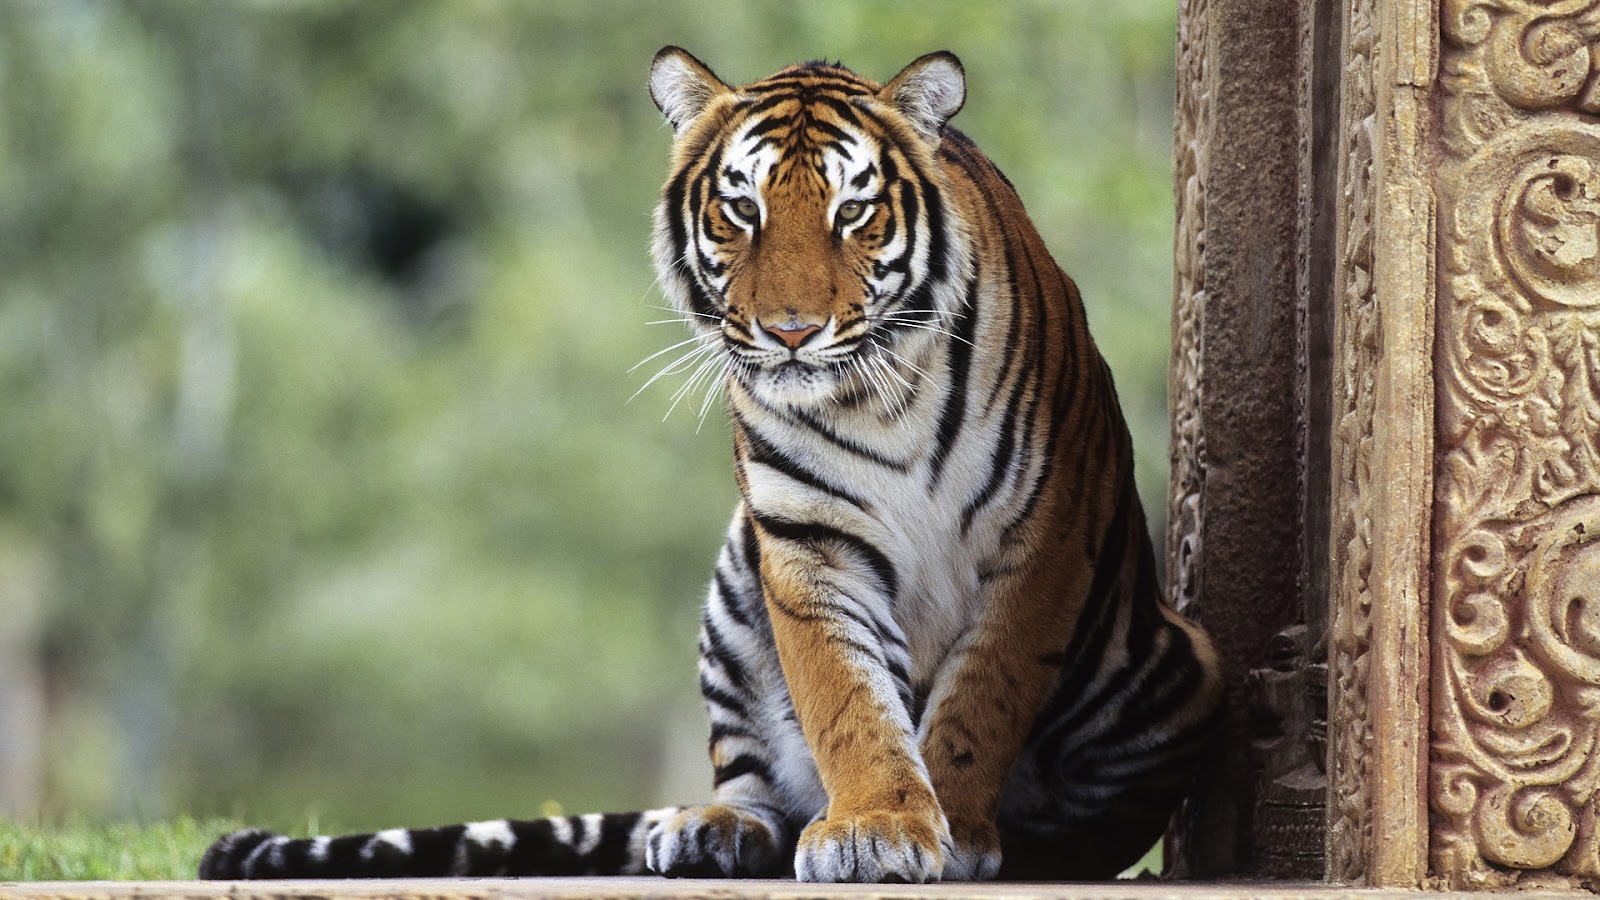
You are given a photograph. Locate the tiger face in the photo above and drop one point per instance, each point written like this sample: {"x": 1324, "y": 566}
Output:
{"x": 806, "y": 227}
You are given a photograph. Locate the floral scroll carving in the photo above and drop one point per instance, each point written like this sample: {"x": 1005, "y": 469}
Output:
{"x": 1185, "y": 513}
{"x": 1516, "y": 613}
{"x": 1185, "y": 510}
{"x": 1356, "y": 344}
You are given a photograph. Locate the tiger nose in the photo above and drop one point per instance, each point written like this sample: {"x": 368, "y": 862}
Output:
{"x": 792, "y": 334}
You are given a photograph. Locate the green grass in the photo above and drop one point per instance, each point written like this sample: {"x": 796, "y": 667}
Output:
{"x": 165, "y": 851}
{"x": 116, "y": 852}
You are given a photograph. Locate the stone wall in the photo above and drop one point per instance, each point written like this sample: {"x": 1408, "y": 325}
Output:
{"x": 1445, "y": 402}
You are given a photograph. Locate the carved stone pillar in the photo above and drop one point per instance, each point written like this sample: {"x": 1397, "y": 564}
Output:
{"x": 1446, "y": 399}
{"x": 1247, "y": 249}
{"x": 1381, "y": 448}
{"x": 1516, "y": 566}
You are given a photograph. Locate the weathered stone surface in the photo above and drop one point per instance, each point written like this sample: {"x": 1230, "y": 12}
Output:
{"x": 1463, "y": 525}
{"x": 683, "y": 889}
{"x": 1516, "y": 566}
{"x": 1237, "y": 393}
{"x": 1383, "y": 415}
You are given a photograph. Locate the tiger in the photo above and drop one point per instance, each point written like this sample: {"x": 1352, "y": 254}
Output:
{"x": 934, "y": 644}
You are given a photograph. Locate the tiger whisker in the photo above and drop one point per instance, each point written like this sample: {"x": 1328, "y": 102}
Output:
{"x": 685, "y": 312}
{"x": 678, "y": 365}
{"x": 926, "y": 327}
{"x": 689, "y": 383}
{"x": 904, "y": 393}
{"x": 707, "y": 365}
{"x": 874, "y": 386}
{"x": 665, "y": 350}
{"x": 907, "y": 363}
{"x": 894, "y": 401}
{"x": 720, "y": 380}
{"x": 892, "y": 371}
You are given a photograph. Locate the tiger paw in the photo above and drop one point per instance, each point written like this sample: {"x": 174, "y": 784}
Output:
{"x": 972, "y": 853}
{"x": 874, "y": 846}
{"x": 716, "y": 841}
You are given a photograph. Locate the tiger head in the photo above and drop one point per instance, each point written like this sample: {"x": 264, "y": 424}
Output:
{"x": 807, "y": 229}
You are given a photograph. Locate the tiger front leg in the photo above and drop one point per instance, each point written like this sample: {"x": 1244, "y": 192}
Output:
{"x": 745, "y": 831}
{"x": 984, "y": 702}
{"x": 846, "y": 667}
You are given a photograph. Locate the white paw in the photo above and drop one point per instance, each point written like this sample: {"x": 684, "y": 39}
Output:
{"x": 876, "y": 847}
{"x": 967, "y": 863}
{"x": 715, "y": 841}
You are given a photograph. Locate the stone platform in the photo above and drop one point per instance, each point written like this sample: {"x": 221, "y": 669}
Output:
{"x": 691, "y": 889}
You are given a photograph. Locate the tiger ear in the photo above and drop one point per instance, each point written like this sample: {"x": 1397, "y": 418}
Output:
{"x": 682, "y": 86}
{"x": 928, "y": 92}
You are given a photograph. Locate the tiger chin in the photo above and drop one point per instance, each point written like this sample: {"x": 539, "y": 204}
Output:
{"x": 934, "y": 646}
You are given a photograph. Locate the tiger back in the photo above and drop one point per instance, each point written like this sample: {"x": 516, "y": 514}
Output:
{"x": 934, "y": 645}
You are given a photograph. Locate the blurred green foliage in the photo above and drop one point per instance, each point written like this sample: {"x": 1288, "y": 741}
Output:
{"x": 315, "y": 330}
{"x": 79, "y": 851}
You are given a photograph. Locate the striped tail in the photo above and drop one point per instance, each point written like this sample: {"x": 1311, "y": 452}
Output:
{"x": 594, "y": 844}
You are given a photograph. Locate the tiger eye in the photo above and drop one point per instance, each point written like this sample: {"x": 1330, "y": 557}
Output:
{"x": 746, "y": 208}
{"x": 851, "y": 210}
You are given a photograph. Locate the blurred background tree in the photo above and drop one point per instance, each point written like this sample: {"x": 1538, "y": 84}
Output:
{"x": 319, "y": 491}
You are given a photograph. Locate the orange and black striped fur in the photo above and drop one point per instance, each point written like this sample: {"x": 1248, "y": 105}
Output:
{"x": 934, "y": 645}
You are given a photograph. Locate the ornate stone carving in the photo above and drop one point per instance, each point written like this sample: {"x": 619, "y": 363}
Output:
{"x": 1233, "y": 547}
{"x": 1288, "y": 703}
{"x": 1185, "y": 512}
{"x": 1516, "y": 617}
{"x": 1356, "y": 348}
{"x": 1192, "y": 126}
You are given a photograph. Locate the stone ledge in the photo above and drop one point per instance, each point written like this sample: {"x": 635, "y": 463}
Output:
{"x": 691, "y": 889}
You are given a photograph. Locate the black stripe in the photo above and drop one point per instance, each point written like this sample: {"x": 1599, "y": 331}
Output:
{"x": 1072, "y": 369}
{"x": 610, "y": 856}
{"x": 812, "y": 423}
{"x": 766, "y": 453}
{"x": 713, "y": 694}
{"x": 911, "y": 196}
{"x": 1137, "y": 647}
{"x": 699, "y": 189}
{"x": 846, "y": 109}
{"x": 767, "y": 126}
{"x": 1000, "y": 459}
{"x": 803, "y": 83}
{"x": 720, "y": 731}
{"x": 537, "y": 852}
{"x": 839, "y": 135}
{"x": 343, "y": 856}
{"x": 938, "y": 251}
{"x": 732, "y": 602}
{"x": 881, "y": 635}
{"x": 225, "y": 858}
{"x": 743, "y": 764}
{"x": 891, "y": 221}
{"x": 708, "y": 228}
{"x": 433, "y": 851}
{"x": 579, "y": 829}
{"x": 1170, "y": 692}
{"x": 717, "y": 651}
{"x": 751, "y": 545}
{"x": 674, "y": 197}
{"x": 761, "y": 106}
{"x": 1087, "y": 649}
{"x": 296, "y": 860}
{"x": 814, "y": 533}
{"x": 961, "y": 154}
{"x": 955, "y": 401}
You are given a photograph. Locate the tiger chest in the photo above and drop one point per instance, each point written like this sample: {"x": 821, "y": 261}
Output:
{"x": 922, "y": 526}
